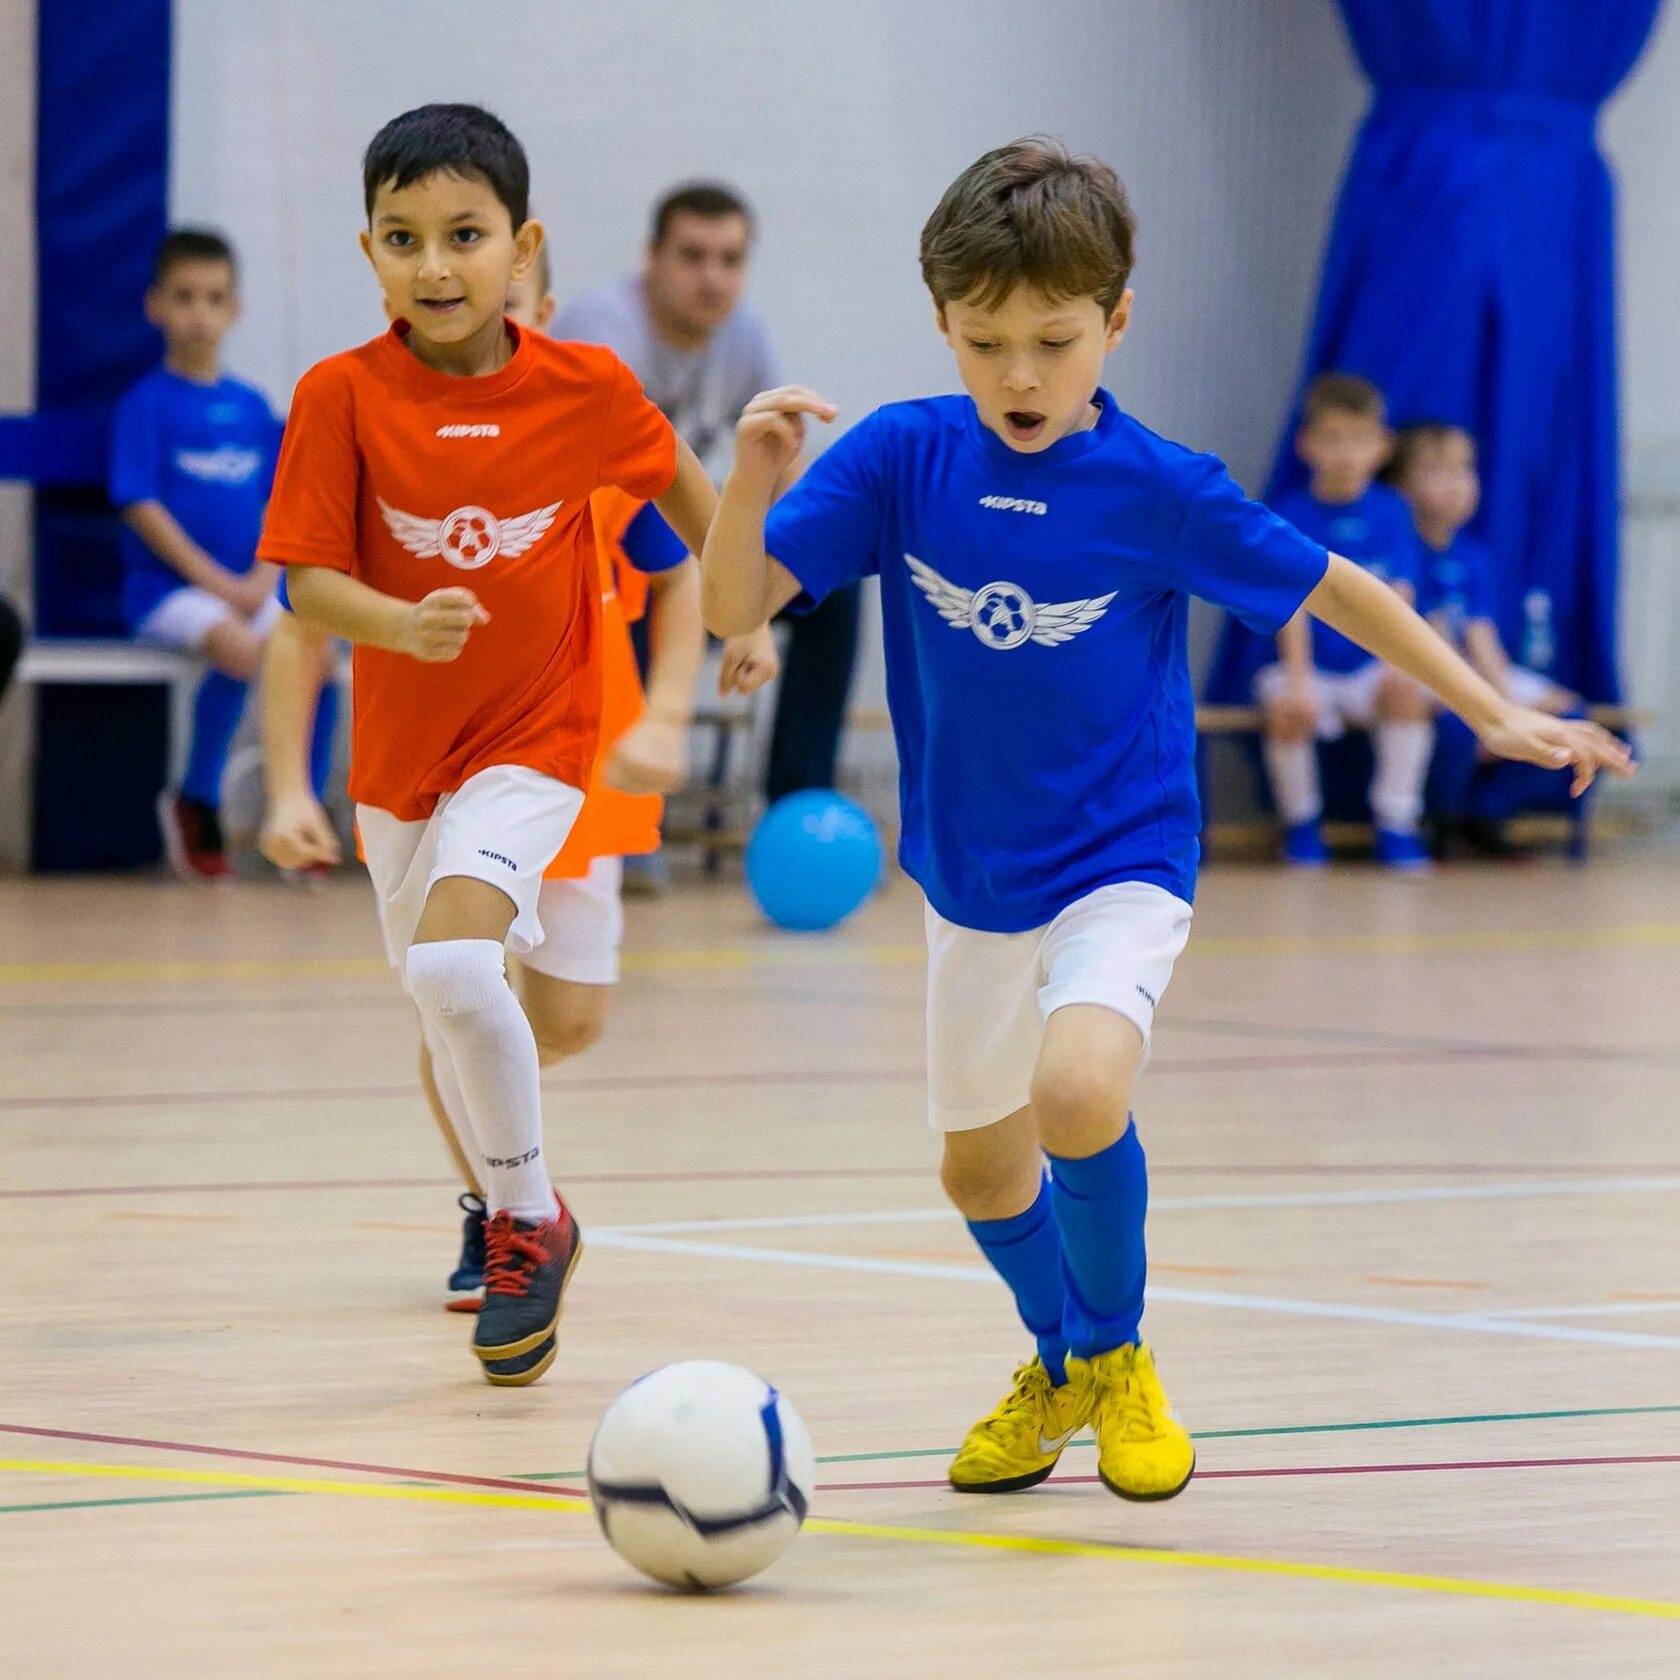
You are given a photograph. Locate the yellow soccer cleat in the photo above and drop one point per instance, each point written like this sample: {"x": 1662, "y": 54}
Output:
{"x": 1143, "y": 1451}
{"x": 1017, "y": 1443}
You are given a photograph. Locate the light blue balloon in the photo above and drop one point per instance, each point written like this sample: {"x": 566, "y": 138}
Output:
{"x": 813, "y": 859}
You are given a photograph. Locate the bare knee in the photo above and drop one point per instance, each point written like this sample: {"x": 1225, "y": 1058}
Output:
{"x": 562, "y": 1040}
{"x": 1401, "y": 700}
{"x": 1080, "y": 1108}
{"x": 567, "y": 1018}
{"x": 234, "y": 649}
{"x": 995, "y": 1171}
{"x": 1289, "y": 725}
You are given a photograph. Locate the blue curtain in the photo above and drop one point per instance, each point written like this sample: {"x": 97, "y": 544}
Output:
{"x": 1470, "y": 274}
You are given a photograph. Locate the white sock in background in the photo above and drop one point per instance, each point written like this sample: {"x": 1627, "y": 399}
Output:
{"x": 1403, "y": 751}
{"x": 1293, "y": 769}
{"x": 460, "y": 988}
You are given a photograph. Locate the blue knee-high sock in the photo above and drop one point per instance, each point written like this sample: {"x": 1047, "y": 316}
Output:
{"x": 216, "y": 714}
{"x": 1100, "y": 1204}
{"x": 1027, "y": 1254}
{"x": 321, "y": 742}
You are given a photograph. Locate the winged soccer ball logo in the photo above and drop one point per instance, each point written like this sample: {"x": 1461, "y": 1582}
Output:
{"x": 1004, "y": 615}
{"x": 469, "y": 537}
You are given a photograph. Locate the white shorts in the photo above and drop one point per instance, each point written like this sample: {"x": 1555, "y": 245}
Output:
{"x": 990, "y": 994}
{"x": 583, "y": 926}
{"x": 184, "y": 618}
{"x": 504, "y": 826}
{"x": 1346, "y": 699}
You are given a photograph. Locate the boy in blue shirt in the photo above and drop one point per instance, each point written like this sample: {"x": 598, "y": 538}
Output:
{"x": 1323, "y": 683}
{"x": 1037, "y": 549}
{"x": 1433, "y": 466}
{"x": 192, "y": 462}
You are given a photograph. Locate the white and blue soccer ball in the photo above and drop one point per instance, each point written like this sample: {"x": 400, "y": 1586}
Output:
{"x": 701, "y": 1474}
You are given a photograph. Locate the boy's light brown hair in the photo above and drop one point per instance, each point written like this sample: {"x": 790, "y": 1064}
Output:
{"x": 1343, "y": 393}
{"x": 1030, "y": 213}
{"x": 1410, "y": 442}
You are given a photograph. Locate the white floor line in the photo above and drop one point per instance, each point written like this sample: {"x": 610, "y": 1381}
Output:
{"x": 1602, "y": 1309}
{"x": 1518, "y": 1190}
{"x": 1471, "y": 1323}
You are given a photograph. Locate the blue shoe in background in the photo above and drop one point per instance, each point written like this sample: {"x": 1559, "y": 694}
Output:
{"x": 1405, "y": 852}
{"x": 1303, "y": 846}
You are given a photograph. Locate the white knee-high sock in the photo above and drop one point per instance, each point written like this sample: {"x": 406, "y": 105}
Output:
{"x": 448, "y": 1088}
{"x": 1293, "y": 769}
{"x": 460, "y": 988}
{"x": 1402, "y": 752}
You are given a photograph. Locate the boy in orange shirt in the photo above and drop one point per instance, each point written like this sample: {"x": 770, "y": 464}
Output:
{"x": 458, "y": 443}
{"x": 565, "y": 985}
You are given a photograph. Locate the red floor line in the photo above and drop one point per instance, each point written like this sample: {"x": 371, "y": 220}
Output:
{"x": 1295, "y": 1061}
{"x": 254, "y": 1187}
{"x": 499, "y": 1482}
{"x": 1162, "y": 1171}
{"x": 1311, "y": 1470}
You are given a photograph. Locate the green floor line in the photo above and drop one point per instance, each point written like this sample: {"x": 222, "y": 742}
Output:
{"x": 944, "y": 1452}
{"x": 144, "y": 1499}
{"x": 1247, "y": 1434}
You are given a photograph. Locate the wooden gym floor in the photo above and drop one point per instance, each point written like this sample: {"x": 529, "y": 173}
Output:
{"x": 1415, "y": 1284}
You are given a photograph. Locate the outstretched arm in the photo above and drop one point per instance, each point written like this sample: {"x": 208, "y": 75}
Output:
{"x": 1369, "y": 612}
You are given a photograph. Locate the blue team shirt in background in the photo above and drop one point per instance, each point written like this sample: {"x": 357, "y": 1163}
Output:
{"x": 1457, "y": 586}
{"x": 207, "y": 453}
{"x": 1375, "y": 532}
{"x": 1034, "y": 613}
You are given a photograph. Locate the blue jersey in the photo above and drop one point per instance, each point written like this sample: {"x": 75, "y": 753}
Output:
{"x": 1458, "y": 587}
{"x": 1375, "y": 532}
{"x": 207, "y": 453}
{"x": 1034, "y": 610}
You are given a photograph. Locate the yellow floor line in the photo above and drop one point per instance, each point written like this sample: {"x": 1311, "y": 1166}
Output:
{"x": 807, "y": 952}
{"x": 1446, "y": 1584}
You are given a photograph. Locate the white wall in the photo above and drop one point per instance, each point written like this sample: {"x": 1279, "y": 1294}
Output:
{"x": 1641, "y": 137}
{"x": 842, "y": 119}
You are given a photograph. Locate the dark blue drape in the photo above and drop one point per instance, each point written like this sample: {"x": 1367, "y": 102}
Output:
{"x": 1470, "y": 274}
{"x": 102, "y": 162}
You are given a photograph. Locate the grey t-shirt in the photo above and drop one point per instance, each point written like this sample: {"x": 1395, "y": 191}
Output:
{"x": 701, "y": 392}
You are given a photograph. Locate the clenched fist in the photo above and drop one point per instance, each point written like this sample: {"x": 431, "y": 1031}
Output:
{"x": 437, "y": 628}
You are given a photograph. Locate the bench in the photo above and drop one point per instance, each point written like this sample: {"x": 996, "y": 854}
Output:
{"x": 108, "y": 662}
{"x": 1214, "y": 722}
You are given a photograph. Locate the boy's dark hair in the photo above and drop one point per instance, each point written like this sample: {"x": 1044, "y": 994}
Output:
{"x": 710, "y": 199}
{"x": 1419, "y": 435}
{"x": 1343, "y": 393}
{"x": 191, "y": 244}
{"x": 1030, "y": 213}
{"x": 462, "y": 140}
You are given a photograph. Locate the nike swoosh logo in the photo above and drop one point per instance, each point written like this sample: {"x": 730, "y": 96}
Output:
{"x": 1055, "y": 1445}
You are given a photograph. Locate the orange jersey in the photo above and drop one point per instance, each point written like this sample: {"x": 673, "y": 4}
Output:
{"x": 612, "y": 823}
{"x": 412, "y": 480}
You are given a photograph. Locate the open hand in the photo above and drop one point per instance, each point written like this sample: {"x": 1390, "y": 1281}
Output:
{"x": 1534, "y": 738}
{"x": 436, "y": 629}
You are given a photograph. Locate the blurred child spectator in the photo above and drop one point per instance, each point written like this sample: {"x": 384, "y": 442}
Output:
{"x": 1324, "y": 684}
{"x": 192, "y": 461}
{"x": 1433, "y": 466}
